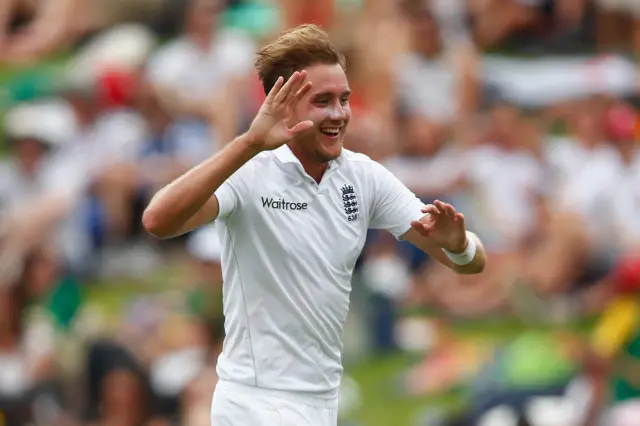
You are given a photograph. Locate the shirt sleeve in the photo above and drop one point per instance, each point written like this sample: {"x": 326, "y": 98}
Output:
{"x": 235, "y": 191}
{"x": 394, "y": 205}
{"x": 615, "y": 327}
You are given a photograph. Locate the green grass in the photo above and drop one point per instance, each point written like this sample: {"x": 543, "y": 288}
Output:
{"x": 384, "y": 402}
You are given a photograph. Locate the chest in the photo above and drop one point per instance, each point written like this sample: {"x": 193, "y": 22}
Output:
{"x": 326, "y": 222}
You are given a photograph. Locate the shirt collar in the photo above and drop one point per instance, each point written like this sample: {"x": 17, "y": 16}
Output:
{"x": 285, "y": 155}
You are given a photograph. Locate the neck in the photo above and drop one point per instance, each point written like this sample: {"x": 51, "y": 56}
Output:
{"x": 313, "y": 168}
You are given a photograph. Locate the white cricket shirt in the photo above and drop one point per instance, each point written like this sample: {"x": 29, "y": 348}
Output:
{"x": 289, "y": 249}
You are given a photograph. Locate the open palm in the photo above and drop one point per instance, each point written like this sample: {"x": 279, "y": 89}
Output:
{"x": 442, "y": 225}
{"x": 270, "y": 129}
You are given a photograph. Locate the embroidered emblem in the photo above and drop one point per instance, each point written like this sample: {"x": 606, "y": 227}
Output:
{"x": 350, "y": 201}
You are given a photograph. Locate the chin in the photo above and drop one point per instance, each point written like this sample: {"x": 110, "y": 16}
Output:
{"x": 329, "y": 151}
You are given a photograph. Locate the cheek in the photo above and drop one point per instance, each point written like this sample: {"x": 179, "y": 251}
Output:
{"x": 318, "y": 115}
{"x": 347, "y": 112}
{"x": 308, "y": 112}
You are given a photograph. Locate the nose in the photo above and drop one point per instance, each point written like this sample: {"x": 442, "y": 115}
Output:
{"x": 338, "y": 112}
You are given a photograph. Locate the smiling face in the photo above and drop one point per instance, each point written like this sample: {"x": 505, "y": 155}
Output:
{"x": 327, "y": 106}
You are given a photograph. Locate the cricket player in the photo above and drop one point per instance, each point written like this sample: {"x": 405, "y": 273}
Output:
{"x": 292, "y": 208}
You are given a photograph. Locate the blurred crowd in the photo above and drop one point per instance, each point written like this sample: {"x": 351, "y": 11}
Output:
{"x": 521, "y": 113}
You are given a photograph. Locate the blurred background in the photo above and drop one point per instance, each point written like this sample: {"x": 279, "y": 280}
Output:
{"x": 522, "y": 113}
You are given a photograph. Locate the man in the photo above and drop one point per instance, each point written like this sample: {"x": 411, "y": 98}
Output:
{"x": 292, "y": 208}
{"x": 204, "y": 73}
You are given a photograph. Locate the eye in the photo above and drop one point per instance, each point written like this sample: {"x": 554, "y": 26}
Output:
{"x": 323, "y": 100}
{"x": 344, "y": 100}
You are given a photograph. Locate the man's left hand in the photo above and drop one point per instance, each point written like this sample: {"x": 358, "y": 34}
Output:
{"x": 443, "y": 226}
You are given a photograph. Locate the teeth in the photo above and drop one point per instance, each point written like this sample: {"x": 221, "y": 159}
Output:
{"x": 331, "y": 131}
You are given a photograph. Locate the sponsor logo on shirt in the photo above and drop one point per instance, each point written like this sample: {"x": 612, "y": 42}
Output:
{"x": 281, "y": 204}
{"x": 350, "y": 201}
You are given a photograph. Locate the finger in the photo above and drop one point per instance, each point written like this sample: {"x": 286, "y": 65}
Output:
{"x": 451, "y": 211}
{"x": 301, "y": 127}
{"x": 301, "y": 93}
{"x": 420, "y": 228}
{"x": 440, "y": 205}
{"x": 282, "y": 95}
{"x": 296, "y": 87}
{"x": 459, "y": 217}
{"x": 274, "y": 90}
{"x": 430, "y": 208}
{"x": 423, "y": 227}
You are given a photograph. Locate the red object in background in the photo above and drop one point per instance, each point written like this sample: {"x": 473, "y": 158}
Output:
{"x": 627, "y": 275}
{"x": 116, "y": 88}
{"x": 622, "y": 122}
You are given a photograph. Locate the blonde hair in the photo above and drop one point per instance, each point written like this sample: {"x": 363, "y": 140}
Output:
{"x": 295, "y": 50}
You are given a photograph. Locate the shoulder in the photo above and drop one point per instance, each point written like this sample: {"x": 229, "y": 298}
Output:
{"x": 365, "y": 168}
{"x": 261, "y": 163}
{"x": 265, "y": 157}
{"x": 355, "y": 157}
{"x": 360, "y": 163}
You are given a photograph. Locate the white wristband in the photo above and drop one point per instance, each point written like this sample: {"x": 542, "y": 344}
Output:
{"x": 467, "y": 255}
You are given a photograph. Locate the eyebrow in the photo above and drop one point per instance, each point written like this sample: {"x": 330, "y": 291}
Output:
{"x": 325, "y": 93}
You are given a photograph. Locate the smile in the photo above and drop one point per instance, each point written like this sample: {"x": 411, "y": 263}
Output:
{"x": 330, "y": 131}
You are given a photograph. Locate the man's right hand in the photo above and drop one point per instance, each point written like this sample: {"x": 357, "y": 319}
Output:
{"x": 271, "y": 127}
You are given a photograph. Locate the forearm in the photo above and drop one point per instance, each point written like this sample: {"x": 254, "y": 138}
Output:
{"x": 180, "y": 201}
{"x": 475, "y": 266}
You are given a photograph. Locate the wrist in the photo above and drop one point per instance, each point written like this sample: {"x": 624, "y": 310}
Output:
{"x": 467, "y": 254}
{"x": 251, "y": 145}
{"x": 460, "y": 249}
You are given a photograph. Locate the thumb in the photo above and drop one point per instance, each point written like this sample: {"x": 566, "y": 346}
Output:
{"x": 301, "y": 127}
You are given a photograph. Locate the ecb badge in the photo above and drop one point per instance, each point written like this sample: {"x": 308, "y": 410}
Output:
{"x": 350, "y": 201}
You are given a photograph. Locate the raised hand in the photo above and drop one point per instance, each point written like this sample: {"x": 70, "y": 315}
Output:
{"x": 443, "y": 225}
{"x": 270, "y": 129}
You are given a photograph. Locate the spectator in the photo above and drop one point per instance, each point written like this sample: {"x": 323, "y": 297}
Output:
{"x": 26, "y": 356}
{"x": 437, "y": 83}
{"x": 622, "y": 122}
{"x": 574, "y": 247}
{"x": 162, "y": 150}
{"x": 204, "y": 72}
{"x": 31, "y": 201}
{"x": 32, "y": 30}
